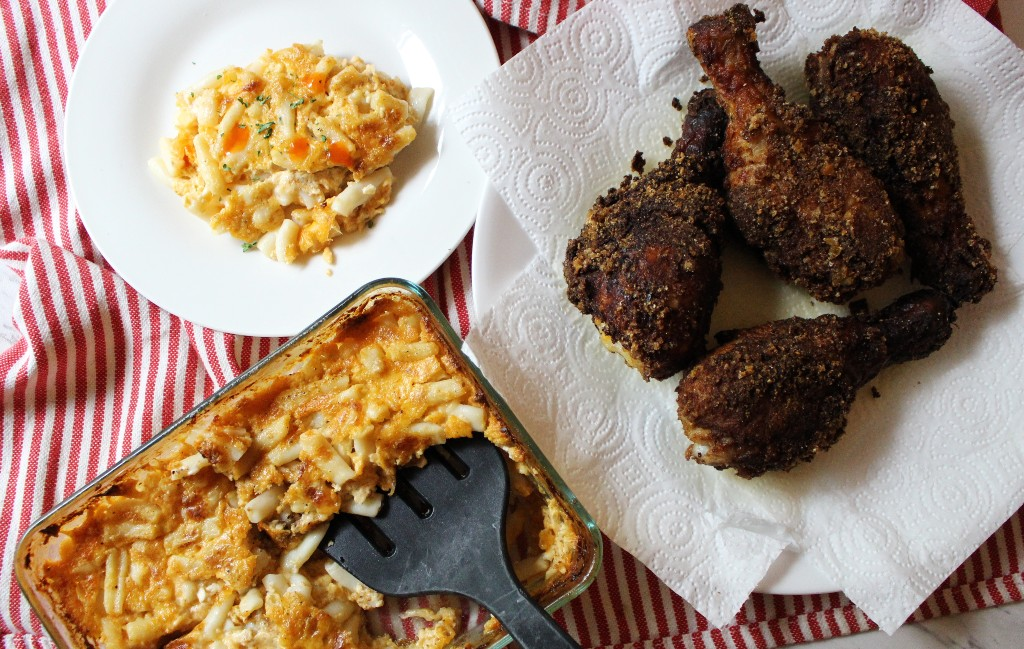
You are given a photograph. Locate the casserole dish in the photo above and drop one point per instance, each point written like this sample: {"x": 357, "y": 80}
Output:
{"x": 207, "y": 535}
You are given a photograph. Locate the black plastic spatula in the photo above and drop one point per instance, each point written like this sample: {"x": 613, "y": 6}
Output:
{"x": 444, "y": 531}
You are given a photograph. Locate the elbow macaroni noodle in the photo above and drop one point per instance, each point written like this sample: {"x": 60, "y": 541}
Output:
{"x": 291, "y": 151}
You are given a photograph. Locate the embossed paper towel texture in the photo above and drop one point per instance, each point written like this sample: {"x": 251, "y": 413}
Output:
{"x": 925, "y": 472}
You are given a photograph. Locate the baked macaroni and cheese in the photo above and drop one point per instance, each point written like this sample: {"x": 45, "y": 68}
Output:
{"x": 210, "y": 537}
{"x": 293, "y": 150}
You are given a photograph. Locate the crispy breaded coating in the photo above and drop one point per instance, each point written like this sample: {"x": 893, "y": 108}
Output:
{"x": 817, "y": 214}
{"x": 885, "y": 105}
{"x": 777, "y": 394}
{"x": 647, "y": 264}
{"x": 698, "y": 151}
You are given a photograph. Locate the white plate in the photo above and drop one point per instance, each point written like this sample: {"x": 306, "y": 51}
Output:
{"x": 501, "y": 250}
{"x": 122, "y": 101}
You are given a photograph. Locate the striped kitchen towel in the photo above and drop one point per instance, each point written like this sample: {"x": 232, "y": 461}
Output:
{"x": 95, "y": 369}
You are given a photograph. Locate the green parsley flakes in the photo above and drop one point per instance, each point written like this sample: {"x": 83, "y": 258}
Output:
{"x": 266, "y": 129}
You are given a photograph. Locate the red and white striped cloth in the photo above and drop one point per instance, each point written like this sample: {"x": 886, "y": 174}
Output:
{"x": 98, "y": 369}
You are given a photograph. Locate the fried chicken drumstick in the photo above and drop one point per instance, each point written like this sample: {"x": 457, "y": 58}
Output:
{"x": 882, "y": 98}
{"x": 778, "y": 393}
{"x": 647, "y": 264}
{"x": 818, "y": 215}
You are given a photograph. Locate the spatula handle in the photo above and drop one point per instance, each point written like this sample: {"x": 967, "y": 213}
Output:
{"x": 532, "y": 628}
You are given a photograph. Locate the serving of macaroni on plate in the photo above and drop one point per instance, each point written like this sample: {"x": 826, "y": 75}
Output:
{"x": 292, "y": 151}
{"x": 209, "y": 536}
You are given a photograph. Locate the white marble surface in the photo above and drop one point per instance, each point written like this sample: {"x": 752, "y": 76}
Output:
{"x": 995, "y": 628}
{"x": 9, "y": 282}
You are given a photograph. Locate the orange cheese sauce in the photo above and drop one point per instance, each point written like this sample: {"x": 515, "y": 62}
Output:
{"x": 337, "y": 153}
{"x": 236, "y": 139}
{"x": 298, "y": 149}
{"x": 315, "y": 81}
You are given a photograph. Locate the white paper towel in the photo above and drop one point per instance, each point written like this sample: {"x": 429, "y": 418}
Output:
{"x": 924, "y": 473}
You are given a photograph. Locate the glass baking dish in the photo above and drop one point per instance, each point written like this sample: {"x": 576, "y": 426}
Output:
{"x": 541, "y": 489}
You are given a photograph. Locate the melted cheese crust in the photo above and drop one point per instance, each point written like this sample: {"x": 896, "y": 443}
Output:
{"x": 211, "y": 541}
